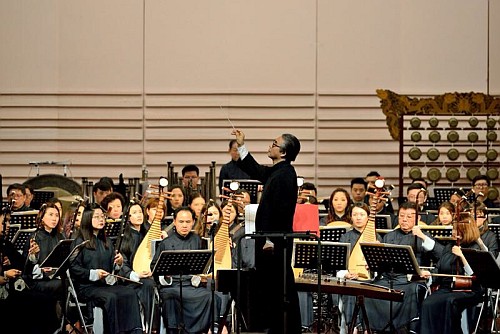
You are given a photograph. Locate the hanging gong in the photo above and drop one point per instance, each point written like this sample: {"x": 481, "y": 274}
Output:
{"x": 415, "y": 173}
{"x": 433, "y": 174}
{"x": 492, "y": 174}
{"x": 433, "y": 122}
{"x": 472, "y": 173}
{"x": 416, "y": 136}
{"x": 415, "y": 122}
{"x": 453, "y": 122}
{"x": 491, "y": 154}
{"x": 472, "y": 137}
{"x": 415, "y": 153}
{"x": 473, "y": 121}
{"x": 453, "y": 154}
{"x": 490, "y": 123}
{"x": 433, "y": 154}
{"x": 491, "y": 136}
{"x": 452, "y": 174}
{"x": 434, "y": 136}
{"x": 493, "y": 193}
{"x": 452, "y": 136}
{"x": 471, "y": 154}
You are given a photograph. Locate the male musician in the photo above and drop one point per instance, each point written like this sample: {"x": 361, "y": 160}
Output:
{"x": 196, "y": 300}
{"x": 407, "y": 234}
{"x": 275, "y": 214}
{"x": 29, "y": 194}
{"x": 101, "y": 189}
{"x": 358, "y": 190}
{"x": 16, "y": 194}
{"x": 413, "y": 191}
{"x": 480, "y": 185}
{"x": 231, "y": 170}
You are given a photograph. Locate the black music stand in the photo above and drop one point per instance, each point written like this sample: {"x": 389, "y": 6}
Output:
{"x": 334, "y": 256}
{"x": 27, "y": 219}
{"x": 40, "y": 197}
{"x": 12, "y": 231}
{"x": 496, "y": 229}
{"x": 331, "y": 233}
{"x": 383, "y": 222}
{"x": 57, "y": 255}
{"x": 112, "y": 230}
{"x": 390, "y": 259}
{"x": 182, "y": 262}
{"x": 252, "y": 186}
{"x": 487, "y": 272}
{"x": 21, "y": 238}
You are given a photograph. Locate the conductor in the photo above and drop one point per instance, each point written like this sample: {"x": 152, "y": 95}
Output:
{"x": 279, "y": 312}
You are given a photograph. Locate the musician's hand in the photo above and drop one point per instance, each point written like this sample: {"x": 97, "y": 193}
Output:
{"x": 119, "y": 259}
{"x": 12, "y": 273}
{"x": 240, "y": 137}
{"x": 102, "y": 273}
{"x": 34, "y": 248}
{"x": 425, "y": 274}
{"x": 47, "y": 270}
{"x": 418, "y": 232}
{"x": 6, "y": 261}
{"x": 456, "y": 250}
{"x": 164, "y": 234}
{"x": 350, "y": 275}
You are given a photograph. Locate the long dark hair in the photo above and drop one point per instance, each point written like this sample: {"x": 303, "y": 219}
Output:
{"x": 331, "y": 209}
{"x": 127, "y": 244}
{"x": 86, "y": 230}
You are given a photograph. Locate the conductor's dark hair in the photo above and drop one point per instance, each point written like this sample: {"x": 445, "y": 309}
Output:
{"x": 290, "y": 146}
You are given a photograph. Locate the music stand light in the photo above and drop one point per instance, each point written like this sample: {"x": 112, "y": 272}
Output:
{"x": 391, "y": 259}
{"x": 331, "y": 233}
{"x": 182, "y": 262}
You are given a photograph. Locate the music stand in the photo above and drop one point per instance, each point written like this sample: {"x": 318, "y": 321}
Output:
{"x": 21, "y": 238}
{"x": 439, "y": 232}
{"x": 334, "y": 255}
{"x": 383, "y": 222}
{"x": 330, "y": 233}
{"x": 252, "y": 186}
{"x": 57, "y": 255}
{"x": 40, "y": 197}
{"x": 27, "y": 219}
{"x": 494, "y": 227}
{"x": 12, "y": 231}
{"x": 391, "y": 259}
{"x": 182, "y": 262}
{"x": 487, "y": 272}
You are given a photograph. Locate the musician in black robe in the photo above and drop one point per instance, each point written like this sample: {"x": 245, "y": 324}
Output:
{"x": 133, "y": 235}
{"x": 359, "y": 218}
{"x": 196, "y": 299}
{"x": 405, "y": 313}
{"x": 92, "y": 271}
{"x": 442, "y": 310}
{"x": 275, "y": 214}
{"x": 36, "y": 250}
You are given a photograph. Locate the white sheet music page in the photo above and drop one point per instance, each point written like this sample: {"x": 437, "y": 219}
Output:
{"x": 250, "y": 212}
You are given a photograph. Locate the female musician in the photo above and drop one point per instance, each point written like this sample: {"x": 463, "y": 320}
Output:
{"x": 338, "y": 209}
{"x": 176, "y": 199}
{"x": 113, "y": 204}
{"x": 91, "y": 271}
{"x": 73, "y": 219}
{"x": 57, "y": 202}
{"x": 151, "y": 209}
{"x": 197, "y": 203}
{"x": 441, "y": 311}
{"x": 359, "y": 216}
{"x": 133, "y": 234}
{"x": 36, "y": 250}
{"x": 209, "y": 213}
{"x": 446, "y": 214}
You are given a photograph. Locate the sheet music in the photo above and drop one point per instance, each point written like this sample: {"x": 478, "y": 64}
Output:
{"x": 250, "y": 212}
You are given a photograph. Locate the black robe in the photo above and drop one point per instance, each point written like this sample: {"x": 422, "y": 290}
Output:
{"x": 405, "y": 313}
{"x": 275, "y": 214}
{"x": 442, "y": 310}
{"x": 120, "y": 302}
{"x": 196, "y": 301}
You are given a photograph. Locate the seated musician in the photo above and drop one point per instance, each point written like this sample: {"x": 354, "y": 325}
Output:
{"x": 446, "y": 214}
{"x": 338, "y": 209}
{"x": 488, "y": 237}
{"x": 37, "y": 248}
{"x": 442, "y": 310}
{"x": 359, "y": 216}
{"x": 414, "y": 190}
{"x": 406, "y": 312}
{"x": 196, "y": 300}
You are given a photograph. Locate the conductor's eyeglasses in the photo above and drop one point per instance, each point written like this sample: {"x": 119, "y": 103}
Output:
{"x": 275, "y": 144}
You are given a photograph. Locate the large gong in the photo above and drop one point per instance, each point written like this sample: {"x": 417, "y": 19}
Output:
{"x": 62, "y": 187}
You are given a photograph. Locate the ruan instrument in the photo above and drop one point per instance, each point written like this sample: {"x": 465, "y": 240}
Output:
{"x": 357, "y": 262}
{"x": 143, "y": 255}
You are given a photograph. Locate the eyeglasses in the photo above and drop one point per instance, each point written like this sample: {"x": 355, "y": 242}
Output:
{"x": 16, "y": 195}
{"x": 275, "y": 144}
{"x": 481, "y": 185}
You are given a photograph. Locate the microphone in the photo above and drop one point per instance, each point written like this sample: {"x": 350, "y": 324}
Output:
{"x": 213, "y": 227}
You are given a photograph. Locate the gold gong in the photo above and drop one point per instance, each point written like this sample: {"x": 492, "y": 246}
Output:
{"x": 472, "y": 173}
{"x": 453, "y": 122}
{"x": 415, "y": 122}
{"x": 415, "y": 153}
{"x": 452, "y": 174}
{"x": 433, "y": 122}
{"x": 453, "y": 136}
{"x": 492, "y": 173}
{"x": 433, "y": 174}
{"x": 416, "y": 136}
{"x": 473, "y": 121}
{"x": 490, "y": 123}
{"x": 453, "y": 154}
{"x": 434, "y": 136}
{"x": 472, "y": 137}
{"x": 471, "y": 154}
{"x": 415, "y": 173}
{"x": 433, "y": 154}
{"x": 491, "y": 136}
{"x": 491, "y": 154}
